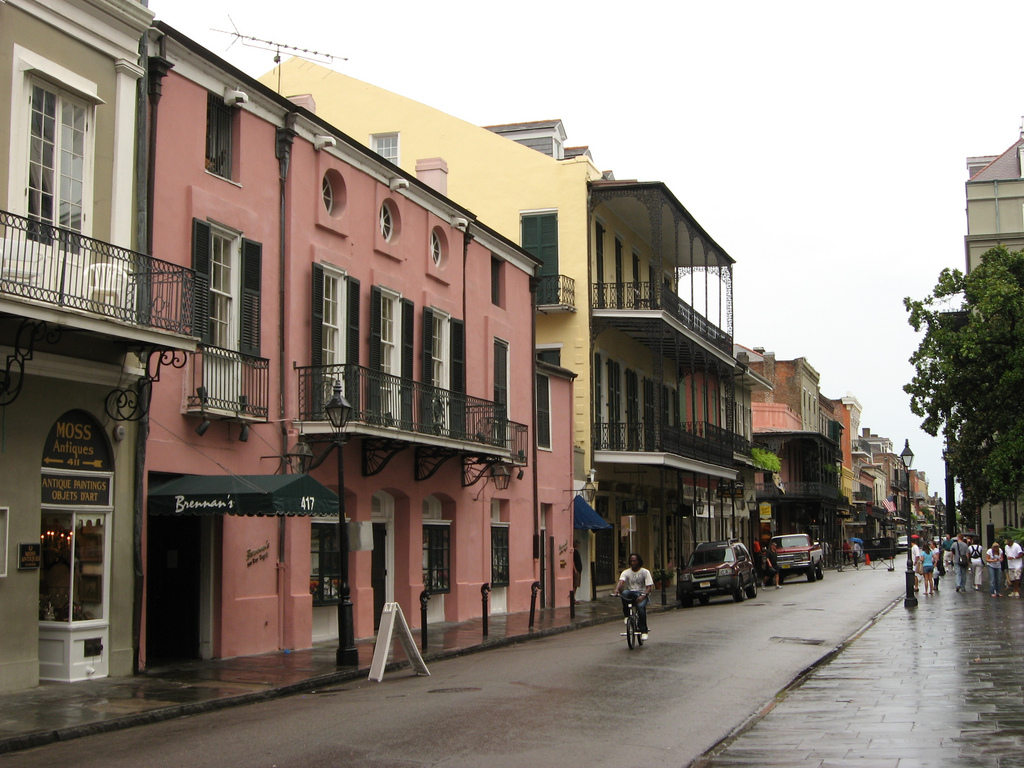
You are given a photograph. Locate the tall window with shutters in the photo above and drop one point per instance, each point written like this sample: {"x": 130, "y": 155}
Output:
{"x": 334, "y": 333}
{"x": 500, "y": 391}
{"x": 540, "y": 239}
{"x": 543, "y": 411}
{"x": 227, "y": 310}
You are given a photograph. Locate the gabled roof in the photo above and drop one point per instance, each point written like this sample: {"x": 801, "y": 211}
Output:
{"x": 1006, "y": 166}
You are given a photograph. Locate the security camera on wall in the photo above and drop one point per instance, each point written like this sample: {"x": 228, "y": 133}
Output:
{"x": 233, "y": 98}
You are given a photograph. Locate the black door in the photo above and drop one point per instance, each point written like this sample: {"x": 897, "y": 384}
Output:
{"x": 379, "y": 571}
{"x": 172, "y": 588}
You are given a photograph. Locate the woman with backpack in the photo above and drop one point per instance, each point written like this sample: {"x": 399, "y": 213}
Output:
{"x": 976, "y": 554}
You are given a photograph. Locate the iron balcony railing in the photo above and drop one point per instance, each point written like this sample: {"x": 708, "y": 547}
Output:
{"x": 229, "y": 383}
{"x": 556, "y": 291}
{"x": 801, "y": 490}
{"x": 60, "y": 267}
{"x": 641, "y": 295}
{"x": 382, "y": 400}
{"x": 694, "y": 439}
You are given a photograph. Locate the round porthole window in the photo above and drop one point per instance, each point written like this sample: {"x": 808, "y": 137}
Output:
{"x": 437, "y": 247}
{"x": 387, "y": 222}
{"x": 332, "y": 193}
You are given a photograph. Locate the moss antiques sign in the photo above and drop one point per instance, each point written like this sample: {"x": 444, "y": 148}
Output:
{"x": 76, "y": 442}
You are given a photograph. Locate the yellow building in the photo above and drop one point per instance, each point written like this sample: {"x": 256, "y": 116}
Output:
{"x": 634, "y": 297}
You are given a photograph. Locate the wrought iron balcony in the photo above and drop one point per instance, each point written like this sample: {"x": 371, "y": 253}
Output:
{"x": 403, "y": 405}
{"x": 800, "y": 490}
{"x": 644, "y": 296}
{"x": 62, "y": 268}
{"x": 229, "y": 384}
{"x": 694, "y": 440}
{"x": 556, "y": 291}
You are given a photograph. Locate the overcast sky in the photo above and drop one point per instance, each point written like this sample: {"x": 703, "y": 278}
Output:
{"x": 823, "y": 145}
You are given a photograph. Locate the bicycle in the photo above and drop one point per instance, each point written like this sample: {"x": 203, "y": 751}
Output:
{"x": 632, "y": 634}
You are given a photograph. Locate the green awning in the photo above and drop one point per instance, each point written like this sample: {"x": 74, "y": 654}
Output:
{"x": 243, "y": 495}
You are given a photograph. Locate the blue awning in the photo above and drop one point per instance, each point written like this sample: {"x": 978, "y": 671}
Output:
{"x": 586, "y": 518}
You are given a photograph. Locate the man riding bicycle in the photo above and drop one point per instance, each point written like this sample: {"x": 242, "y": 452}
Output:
{"x": 636, "y": 582}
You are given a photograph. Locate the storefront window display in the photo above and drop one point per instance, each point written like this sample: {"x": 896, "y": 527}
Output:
{"x": 325, "y": 570}
{"x": 71, "y": 572}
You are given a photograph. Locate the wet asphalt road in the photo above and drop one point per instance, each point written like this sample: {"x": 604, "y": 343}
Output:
{"x": 574, "y": 699}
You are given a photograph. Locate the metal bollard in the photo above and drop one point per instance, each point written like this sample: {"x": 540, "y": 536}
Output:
{"x": 572, "y": 603}
{"x": 424, "y": 597}
{"x": 534, "y": 589}
{"x": 485, "y": 590}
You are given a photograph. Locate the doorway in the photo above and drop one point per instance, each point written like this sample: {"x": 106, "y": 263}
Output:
{"x": 173, "y": 585}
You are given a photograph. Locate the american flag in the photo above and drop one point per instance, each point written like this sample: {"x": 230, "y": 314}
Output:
{"x": 888, "y": 504}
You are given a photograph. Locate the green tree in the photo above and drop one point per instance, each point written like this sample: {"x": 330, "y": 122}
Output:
{"x": 969, "y": 380}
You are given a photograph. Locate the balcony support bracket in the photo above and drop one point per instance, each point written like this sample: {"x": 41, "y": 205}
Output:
{"x": 133, "y": 404}
{"x": 475, "y": 466}
{"x": 30, "y": 332}
{"x": 430, "y": 459}
{"x": 377, "y": 452}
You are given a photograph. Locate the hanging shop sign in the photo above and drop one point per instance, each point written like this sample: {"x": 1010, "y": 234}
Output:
{"x": 765, "y": 511}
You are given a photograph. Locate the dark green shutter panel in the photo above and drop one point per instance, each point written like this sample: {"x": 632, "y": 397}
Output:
{"x": 352, "y": 342}
{"x": 540, "y": 239}
{"x": 201, "y": 244}
{"x": 597, "y": 389}
{"x": 252, "y": 275}
{"x": 543, "y": 411}
{"x": 408, "y": 360}
{"x": 317, "y": 323}
{"x": 408, "y": 343}
{"x": 375, "y": 302}
{"x": 427, "y": 367}
{"x": 500, "y": 373}
{"x": 458, "y": 340}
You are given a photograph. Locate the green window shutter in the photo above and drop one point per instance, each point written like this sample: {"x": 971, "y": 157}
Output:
{"x": 458, "y": 349}
{"x": 543, "y": 411}
{"x": 540, "y": 239}
{"x": 252, "y": 276}
{"x": 376, "y": 297}
{"x": 317, "y": 324}
{"x": 427, "y": 362}
{"x": 352, "y": 339}
{"x": 201, "y": 245}
{"x": 408, "y": 343}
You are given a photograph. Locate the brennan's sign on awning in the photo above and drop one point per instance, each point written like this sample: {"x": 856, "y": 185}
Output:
{"x": 254, "y": 495}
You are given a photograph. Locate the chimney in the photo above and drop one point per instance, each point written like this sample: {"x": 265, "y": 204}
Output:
{"x": 434, "y": 173}
{"x": 304, "y": 100}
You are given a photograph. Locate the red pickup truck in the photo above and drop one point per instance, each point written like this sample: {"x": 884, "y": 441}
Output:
{"x": 798, "y": 554}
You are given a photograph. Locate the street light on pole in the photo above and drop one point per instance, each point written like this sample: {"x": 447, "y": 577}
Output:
{"x": 906, "y": 459}
{"x": 338, "y": 413}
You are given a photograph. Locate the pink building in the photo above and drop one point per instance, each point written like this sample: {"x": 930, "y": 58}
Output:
{"x": 319, "y": 263}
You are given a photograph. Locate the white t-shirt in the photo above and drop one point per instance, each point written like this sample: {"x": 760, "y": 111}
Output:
{"x": 1013, "y": 555}
{"x": 636, "y": 581}
{"x": 915, "y": 552}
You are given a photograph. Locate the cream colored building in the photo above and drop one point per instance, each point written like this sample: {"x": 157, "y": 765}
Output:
{"x": 635, "y": 298}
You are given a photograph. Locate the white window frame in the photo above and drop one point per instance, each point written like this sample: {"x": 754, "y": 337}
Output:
{"x": 377, "y": 141}
{"x": 440, "y": 349}
{"x": 390, "y": 332}
{"x": 30, "y": 68}
{"x": 335, "y": 314}
{"x": 226, "y": 251}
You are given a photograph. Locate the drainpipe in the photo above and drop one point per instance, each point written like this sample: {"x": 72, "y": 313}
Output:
{"x": 283, "y": 152}
{"x": 534, "y": 285}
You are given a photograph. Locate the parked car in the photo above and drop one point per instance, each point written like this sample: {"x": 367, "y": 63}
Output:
{"x": 798, "y": 554}
{"x": 717, "y": 568}
{"x": 901, "y": 544}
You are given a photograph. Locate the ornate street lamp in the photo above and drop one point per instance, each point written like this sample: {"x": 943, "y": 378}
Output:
{"x": 906, "y": 459}
{"x": 338, "y": 413}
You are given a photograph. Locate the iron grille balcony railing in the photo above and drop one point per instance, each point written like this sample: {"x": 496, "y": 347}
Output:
{"x": 556, "y": 291}
{"x": 801, "y": 490}
{"x": 637, "y": 296}
{"x": 228, "y": 382}
{"x": 60, "y": 267}
{"x": 382, "y": 400}
{"x": 694, "y": 440}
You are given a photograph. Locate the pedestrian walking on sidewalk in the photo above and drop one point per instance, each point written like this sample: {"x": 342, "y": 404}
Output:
{"x": 915, "y": 556}
{"x": 994, "y": 561}
{"x": 927, "y": 566}
{"x": 1014, "y": 561}
{"x": 858, "y": 551}
{"x": 961, "y": 562}
{"x": 977, "y": 563}
{"x": 577, "y": 569}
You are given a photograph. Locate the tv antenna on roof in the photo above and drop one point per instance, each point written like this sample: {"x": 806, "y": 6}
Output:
{"x": 276, "y": 48}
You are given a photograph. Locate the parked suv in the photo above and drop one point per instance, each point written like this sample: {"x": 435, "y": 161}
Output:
{"x": 717, "y": 568}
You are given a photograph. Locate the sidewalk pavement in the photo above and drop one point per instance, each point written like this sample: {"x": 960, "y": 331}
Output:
{"x": 920, "y": 687}
{"x": 63, "y": 711}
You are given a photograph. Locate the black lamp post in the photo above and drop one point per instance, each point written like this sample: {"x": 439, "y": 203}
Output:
{"x": 906, "y": 459}
{"x": 338, "y": 413}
